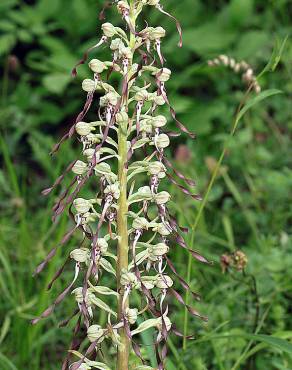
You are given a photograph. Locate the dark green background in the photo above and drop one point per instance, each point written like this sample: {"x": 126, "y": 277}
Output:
{"x": 248, "y": 207}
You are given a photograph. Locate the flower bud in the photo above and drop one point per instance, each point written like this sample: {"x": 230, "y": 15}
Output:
{"x": 149, "y": 281}
{"x": 109, "y": 98}
{"x": 141, "y": 95}
{"x": 102, "y": 245}
{"x": 123, "y": 5}
{"x": 78, "y": 292}
{"x": 157, "y": 33}
{"x": 145, "y": 192}
{"x": 79, "y": 168}
{"x": 113, "y": 189}
{"x": 95, "y": 333}
{"x": 155, "y": 168}
{"x": 162, "y": 229}
{"x": 88, "y": 153}
{"x": 108, "y": 29}
{"x": 97, "y": 66}
{"x": 145, "y": 126}
{"x": 122, "y": 117}
{"x": 131, "y": 315}
{"x": 163, "y": 75}
{"x": 91, "y": 139}
{"x": 112, "y": 98}
{"x": 162, "y": 141}
{"x": 86, "y": 218}
{"x": 160, "y": 249}
{"x": 166, "y": 322}
{"x": 117, "y": 44}
{"x": 159, "y": 99}
{"x": 126, "y": 52}
{"x": 140, "y": 223}
{"x": 129, "y": 278}
{"x": 240, "y": 260}
{"x": 164, "y": 282}
{"x": 82, "y": 205}
{"x": 102, "y": 169}
{"x": 83, "y": 128}
{"x": 158, "y": 121}
{"x": 162, "y": 197}
{"x": 80, "y": 254}
{"x": 88, "y": 85}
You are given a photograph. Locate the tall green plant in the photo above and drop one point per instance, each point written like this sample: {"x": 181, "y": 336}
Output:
{"x": 127, "y": 230}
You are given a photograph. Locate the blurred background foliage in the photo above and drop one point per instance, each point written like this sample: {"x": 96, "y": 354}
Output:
{"x": 248, "y": 206}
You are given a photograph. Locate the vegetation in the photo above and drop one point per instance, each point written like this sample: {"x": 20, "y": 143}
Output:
{"x": 247, "y": 207}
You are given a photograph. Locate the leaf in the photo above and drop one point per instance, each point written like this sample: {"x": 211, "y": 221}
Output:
{"x": 150, "y": 323}
{"x": 5, "y": 328}
{"x": 6, "y": 43}
{"x": 275, "y": 57}
{"x": 56, "y": 82}
{"x": 147, "y": 339}
{"x": 44, "y": 11}
{"x": 262, "y": 96}
{"x": 7, "y": 26}
{"x": 140, "y": 143}
{"x": 95, "y": 364}
{"x": 6, "y": 363}
{"x": 251, "y": 44}
{"x": 105, "y": 264}
{"x": 6, "y": 4}
{"x": 103, "y": 290}
{"x": 101, "y": 304}
{"x": 239, "y": 12}
{"x": 272, "y": 341}
{"x": 210, "y": 37}
{"x": 279, "y": 343}
{"x": 262, "y": 345}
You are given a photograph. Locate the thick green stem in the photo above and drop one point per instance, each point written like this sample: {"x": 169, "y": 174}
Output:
{"x": 122, "y": 224}
{"x": 123, "y": 246}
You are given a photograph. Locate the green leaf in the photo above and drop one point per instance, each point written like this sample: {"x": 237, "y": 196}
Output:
{"x": 262, "y": 345}
{"x": 105, "y": 264}
{"x": 210, "y": 37}
{"x": 5, "y": 328}
{"x": 6, "y": 43}
{"x": 275, "y": 57}
{"x": 6, "y": 363}
{"x": 94, "y": 364}
{"x": 279, "y": 343}
{"x": 101, "y": 304}
{"x": 103, "y": 290}
{"x": 7, "y": 26}
{"x": 239, "y": 12}
{"x": 6, "y": 4}
{"x": 262, "y": 96}
{"x": 147, "y": 338}
{"x": 56, "y": 82}
{"x": 145, "y": 325}
{"x": 272, "y": 341}
{"x": 251, "y": 44}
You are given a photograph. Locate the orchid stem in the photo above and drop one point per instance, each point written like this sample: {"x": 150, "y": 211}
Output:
{"x": 122, "y": 224}
{"x": 123, "y": 246}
